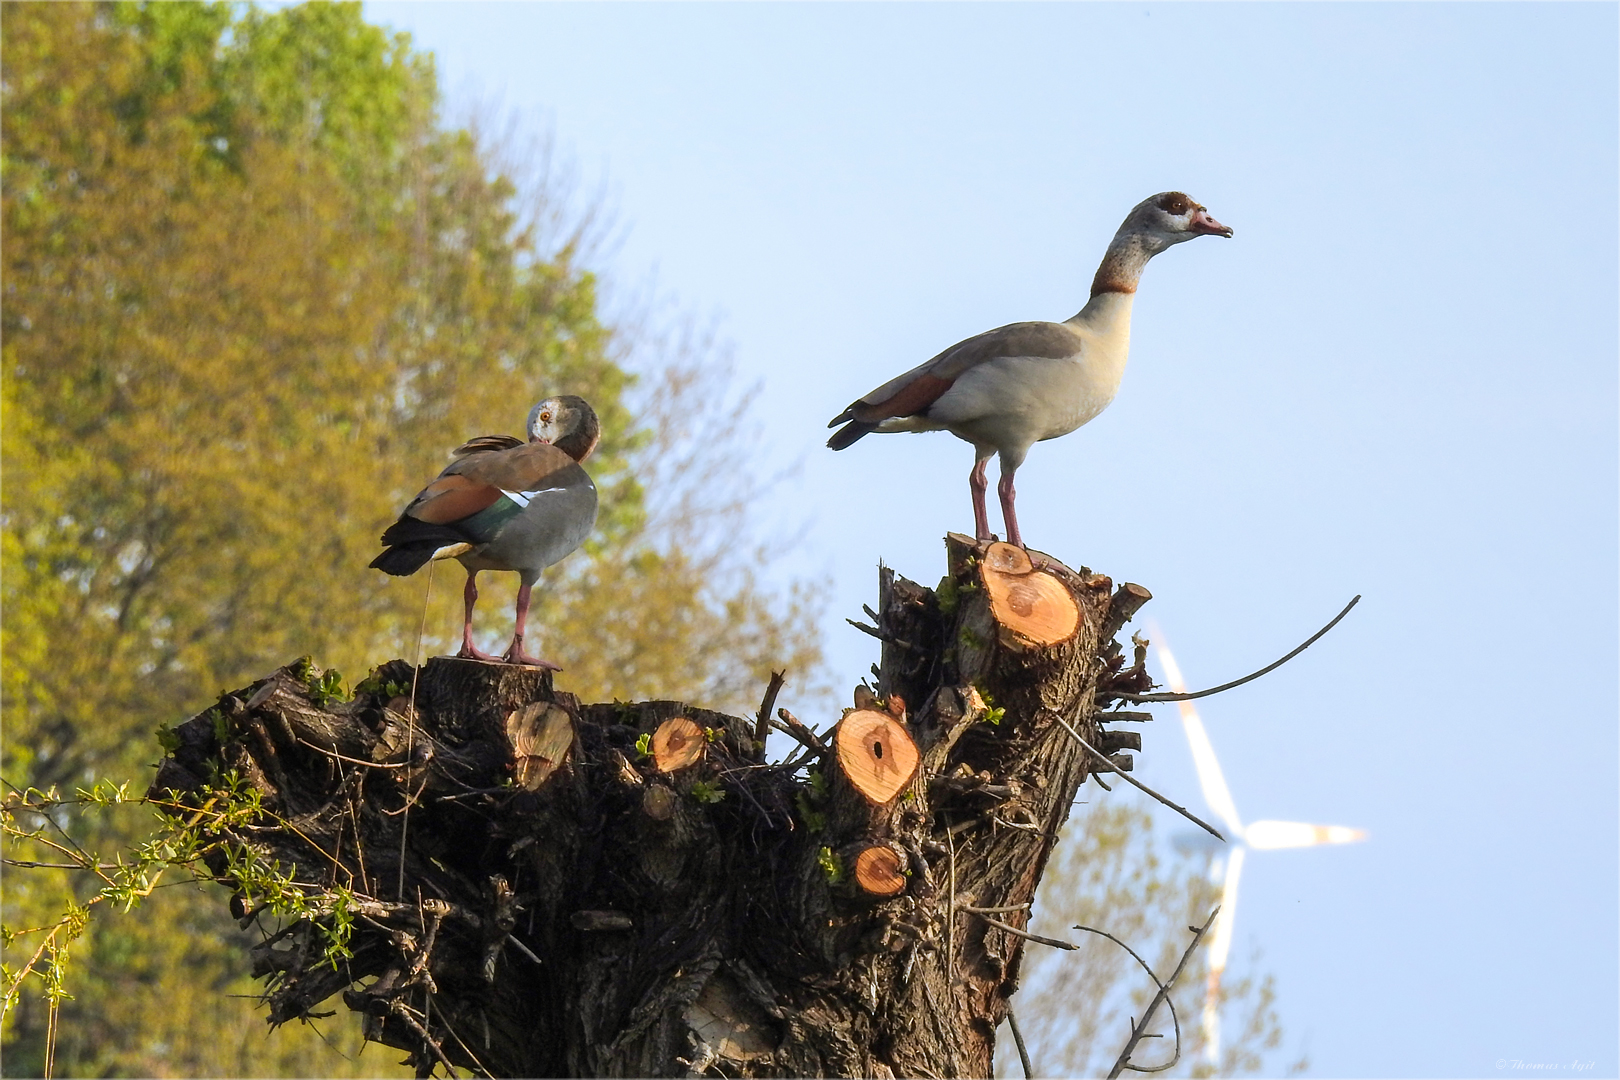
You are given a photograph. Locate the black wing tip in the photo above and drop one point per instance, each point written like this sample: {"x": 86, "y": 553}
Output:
{"x": 403, "y": 560}
{"x": 841, "y": 418}
{"x": 850, "y": 434}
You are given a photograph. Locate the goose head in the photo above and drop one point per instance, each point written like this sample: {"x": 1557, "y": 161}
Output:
{"x": 1169, "y": 218}
{"x": 566, "y": 422}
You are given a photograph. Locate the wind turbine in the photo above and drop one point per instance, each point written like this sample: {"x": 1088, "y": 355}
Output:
{"x": 1259, "y": 835}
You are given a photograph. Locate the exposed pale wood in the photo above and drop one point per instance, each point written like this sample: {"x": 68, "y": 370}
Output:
{"x": 876, "y": 753}
{"x": 541, "y": 733}
{"x": 733, "y": 1026}
{"x": 879, "y": 869}
{"x": 1007, "y": 559}
{"x": 1033, "y": 605}
{"x": 677, "y": 743}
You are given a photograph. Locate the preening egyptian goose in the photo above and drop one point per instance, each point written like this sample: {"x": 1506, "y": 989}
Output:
{"x": 1009, "y": 388}
{"x": 504, "y": 504}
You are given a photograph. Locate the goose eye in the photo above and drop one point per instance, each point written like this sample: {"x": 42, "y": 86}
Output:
{"x": 545, "y": 418}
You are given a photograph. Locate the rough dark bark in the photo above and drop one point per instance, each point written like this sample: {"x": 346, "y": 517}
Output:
{"x": 565, "y": 908}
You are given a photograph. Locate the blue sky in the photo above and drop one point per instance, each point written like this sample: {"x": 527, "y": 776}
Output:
{"x": 1398, "y": 379}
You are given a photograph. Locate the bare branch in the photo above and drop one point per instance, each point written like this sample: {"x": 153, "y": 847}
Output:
{"x": 1182, "y": 810}
{"x": 1147, "y": 698}
{"x": 1164, "y": 992}
{"x": 791, "y": 725}
{"x": 1018, "y": 1040}
{"x": 401, "y": 1010}
{"x": 1038, "y": 939}
{"x": 762, "y": 720}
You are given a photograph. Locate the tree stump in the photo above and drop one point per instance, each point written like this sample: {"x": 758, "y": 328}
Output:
{"x": 540, "y": 887}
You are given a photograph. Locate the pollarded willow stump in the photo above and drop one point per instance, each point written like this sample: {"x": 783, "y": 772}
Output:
{"x": 543, "y": 888}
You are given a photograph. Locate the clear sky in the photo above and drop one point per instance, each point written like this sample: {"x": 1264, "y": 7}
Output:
{"x": 1398, "y": 379}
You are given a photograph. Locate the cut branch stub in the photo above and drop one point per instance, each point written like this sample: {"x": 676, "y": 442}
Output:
{"x": 876, "y": 753}
{"x": 677, "y": 743}
{"x": 658, "y": 802}
{"x": 880, "y": 869}
{"x": 541, "y": 734}
{"x": 1033, "y": 605}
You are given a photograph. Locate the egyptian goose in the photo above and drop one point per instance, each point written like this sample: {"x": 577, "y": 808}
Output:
{"x": 1010, "y": 388}
{"x": 504, "y": 504}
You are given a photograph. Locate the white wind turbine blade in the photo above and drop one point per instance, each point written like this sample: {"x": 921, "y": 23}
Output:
{"x": 1270, "y": 835}
{"x": 1220, "y": 947}
{"x": 1210, "y": 778}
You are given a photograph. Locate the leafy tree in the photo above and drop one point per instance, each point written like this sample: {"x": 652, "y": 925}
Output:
{"x": 254, "y": 290}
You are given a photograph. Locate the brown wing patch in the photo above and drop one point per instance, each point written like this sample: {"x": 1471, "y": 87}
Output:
{"x": 484, "y": 444}
{"x": 527, "y": 467}
{"x": 451, "y": 498}
{"x": 914, "y": 397}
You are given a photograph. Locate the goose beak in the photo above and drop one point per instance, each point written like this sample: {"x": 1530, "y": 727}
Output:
{"x": 1204, "y": 225}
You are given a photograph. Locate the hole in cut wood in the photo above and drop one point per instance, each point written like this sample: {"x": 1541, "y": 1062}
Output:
{"x": 880, "y": 871}
{"x": 677, "y": 743}
{"x": 541, "y": 735}
{"x": 876, "y": 753}
{"x": 1035, "y": 606}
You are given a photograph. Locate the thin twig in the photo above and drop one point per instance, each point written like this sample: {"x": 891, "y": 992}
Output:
{"x": 800, "y": 731}
{"x": 1174, "y": 1019}
{"x": 524, "y": 949}
{"x": 1018, "y": 1040}
{"x": 355, "y": 761}
{"x": 354, "y": 819}
{"x": 1026, "y": 935}
{"x": 762, "y": 719}
{"x": 1070, "y": 946}
{"x": 478, "y": 1066}
{"x": 410, "y": 736}
{"x": 1005, "y": 909}
{"x": 1145, "y": 698}
{"x": 1182, "y": 810}
{"x": 950, "y": 923}
{"x": 403, "y": 1011}
{"x": 1164, "y": 993}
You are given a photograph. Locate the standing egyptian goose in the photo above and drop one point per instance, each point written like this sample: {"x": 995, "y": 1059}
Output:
{"x": 504, "y": 504}
{"x": 1010, "y": 388}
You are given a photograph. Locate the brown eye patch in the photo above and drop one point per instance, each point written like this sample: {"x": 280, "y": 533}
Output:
{"x": 1174, "y": 202}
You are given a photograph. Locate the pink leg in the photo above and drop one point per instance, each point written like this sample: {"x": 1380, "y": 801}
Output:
{"x": 977, "y": 483}
{"x": 515, "y": 654}
{"x": 1005, "y": 490}
{"x": 469, "y": 597}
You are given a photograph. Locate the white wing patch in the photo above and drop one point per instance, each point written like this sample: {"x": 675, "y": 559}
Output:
{"x": 450, "y": 551}
{"x": 522, "y": 498}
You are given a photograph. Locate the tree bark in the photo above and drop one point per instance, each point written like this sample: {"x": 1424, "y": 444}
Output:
{"x": 542, "y": 887}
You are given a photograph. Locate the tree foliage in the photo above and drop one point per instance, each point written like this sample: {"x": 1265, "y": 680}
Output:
{"x": 254, "y": 290}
